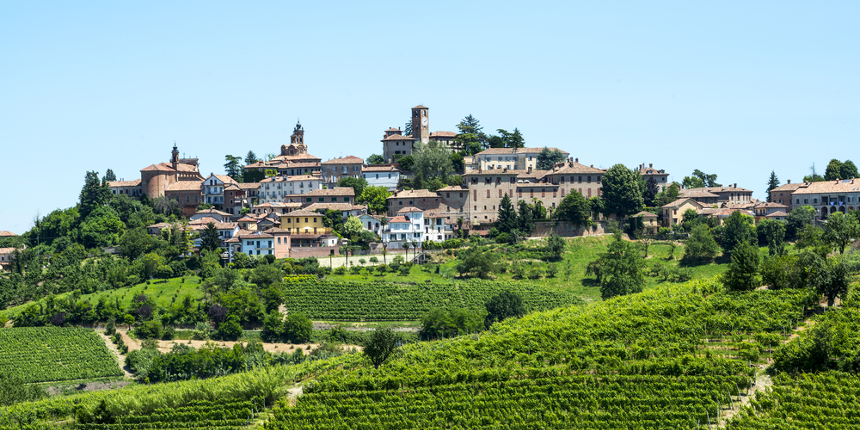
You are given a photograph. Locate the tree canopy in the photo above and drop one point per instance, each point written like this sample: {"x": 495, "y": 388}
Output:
{"x": 432, "y": 161}
{"x": 575, "y": 209}
{"x": 375, "y": 197}
{"x": 772, "y": 182}
{"x": 548, "y": 158}
{"x": 622, "y": 191}
{"x": 357, "y": 184}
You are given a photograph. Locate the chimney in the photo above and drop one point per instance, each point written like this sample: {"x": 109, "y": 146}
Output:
{"x": 576, "y": 160}
{"x": 789, "y": 181}
{"x": 736, "y": 185}
{"x": 650, "y": 165}
{"x": 530, "y": 169}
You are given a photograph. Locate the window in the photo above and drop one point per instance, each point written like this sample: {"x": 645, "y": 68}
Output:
{"x": 488, "y": 194}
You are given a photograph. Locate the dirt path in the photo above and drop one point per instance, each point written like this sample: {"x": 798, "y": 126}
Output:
{"x": 115, "y": 351}
{"x": 167, "y": 345}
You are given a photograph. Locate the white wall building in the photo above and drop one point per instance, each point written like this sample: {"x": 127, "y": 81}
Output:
{"x": 213, "y": 189}
{"x": 381, "y": 175}
{"x": 407, "y": 226}
{"x": 275, "y": 189}
{"x": 257, "y": 243}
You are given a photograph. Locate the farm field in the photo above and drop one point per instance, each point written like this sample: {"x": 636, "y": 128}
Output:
{"x": 42, "y": 354}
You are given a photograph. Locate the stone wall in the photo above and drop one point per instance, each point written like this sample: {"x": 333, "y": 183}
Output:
{"x": 564, "y": 229}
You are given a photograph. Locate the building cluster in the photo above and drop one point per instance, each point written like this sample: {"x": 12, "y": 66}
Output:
{"x": 283, "y": 214}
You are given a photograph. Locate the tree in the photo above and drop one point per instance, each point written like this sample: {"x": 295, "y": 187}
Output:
{"x": 512, "y": 139}
{"x": 772, "y": 233}
{"x": 381, "y": 345}
{"x": 94, "y": 194}
{"x": 668, "y": 195}
{"x": 840, "y": 279}
{"x": 575, "y": 209}
{"x": 833, "y": 170}
{"x": 297, "y": 328}
{"x": 548, "y": 158}
{"x": 101, "y": 228}
{"x": 230, "y": 329}
{"x": 621, "y": 269}
{"x": 375, "y": 159}
{"x": 840, "y": 230}
{"x": 110, "y": 176}
{"x": 352, "y": 226}
{"x": 406, "y": 163}
{"x": 848, "y": 170}
{"x": 251, "y": 176}
{"x": 525, "y": 217}
{"x": 701, "y": 245}
{"x": 692, "y": 182}
{"x": 507, "y": 219}
{"x": 743, "y": 272}
{"x": 209, "y": 238}
{"x": 233, "y": 166}
{"x": 477, "y": 260}
{"x": 506, "y": 304}
{"x": 797, "y": 219}
{"x": 442, "y": 322}
{"x": 772, "y": 183}
{"x": 555, "y": 246}
{"x": 251, "y": 158}
{"x": 651, "y": 191}
{"x": 407, "y": 129}
{"x": 273, "y": 327}
{"x": 357, "y": 184}
{"x": 737, "y": 229}
{"x": 135, "y": 242}
{"x": 690, "y": 219}
{"x": 457, "y": 162}
{"x": 432, "y": 161}
{"x": 376, "y": 198}
{"x": 622, "y": 191}
{"x": 708, "y": 180}
{"x": 470, "y": 138}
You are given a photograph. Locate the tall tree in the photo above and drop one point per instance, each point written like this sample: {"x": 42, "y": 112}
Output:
{"x": 251, "y": 158}
{"x": 692, "y": 182}
{"x": 797, "y": 219}
{"x": 743, "y": 272}
{"x": 548, "y": 158}
{"x": 110, "y": 176}
{"x": 575, "y": 209}
{"x": 840, "y": 230}
{"x": 525, "y": 217}
{"x": 381, "y": 344}
{"x": 848, "y": 170}
{"x": 506, "y": 304}
{"x": 668, "y": 195}
{"x": 471, "y": 138}
{"x": 432, "y": 161}
{"x": 507, "y": 219}
{"x": 622, "y": 191}
{"x": 772, "y": 183}
{"x": 375, "y": 197}
{"x": 94, "y": 194}
{"x": 651, "y": 191}
{"x": 233, "y": 166}
{"x": 701, "y": 245}
{"x": 833, "y": 171}
{"x": 737, "y": 229}
{"x": 209, "y": 238}
{"x": 513, "y": 139}
{"x": 357, "y": 184}
{"x": 621, "y": 269}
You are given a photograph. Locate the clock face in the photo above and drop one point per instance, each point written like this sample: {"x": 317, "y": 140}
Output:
{"x": 424, "y": 122}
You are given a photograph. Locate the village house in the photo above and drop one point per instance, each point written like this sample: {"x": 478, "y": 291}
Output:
{"x": 661, "y": 178}
{"x": 188, "y": 194}
{"x": 345, "y": 167}
{"x": 422, "y": 199}
{"x": 285, "y": 188}
{"x": 673, "y": 213}
{"x": 221, "y": 216}
{"x": 406, "y": 227}
{"x": 649, "y": 222}
{"x": 155, "y": 178}
{"x": 326, "y": 195}
{"x": 128, "y": 188}
{"x": 381, "y": 175}
{"x": 828, "y": 197}
{"x": 764, "y": 209}
{"x": 507, "y": 158}
{"x": 303, "y": 222}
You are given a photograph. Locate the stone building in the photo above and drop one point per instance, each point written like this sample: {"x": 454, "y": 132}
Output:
{"x": 828, "y": 197}
{"x": 336, "y": 168}
{"x": 422, "y": 199}
{"x": 782, "y": 193}
{"x": 507, "y": 158}
{"x": 659, "y": 175}
{"x": 155, "y": 178}
{"x": 188, "y": 194}
{"x": 396, "y": 145}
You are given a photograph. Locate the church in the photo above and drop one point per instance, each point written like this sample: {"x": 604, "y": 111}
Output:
{"x": 396, "y": 145}
{"x": 294, "y": 158}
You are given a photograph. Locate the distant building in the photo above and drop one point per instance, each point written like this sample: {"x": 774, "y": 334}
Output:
{"x": 155, "y": 178}
{"x": 396, "y": 145}
{"x": 508, "y": 158}
{"x": 660, "y": 176}
{"x": 381, "y": 175}
{"x": 336, "y": 168}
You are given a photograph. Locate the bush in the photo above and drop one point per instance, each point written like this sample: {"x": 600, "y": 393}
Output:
{"x": 169, "y": 333}
{"x": 502, "y": 306}
{"x": 374, "y": 260}
{"x": 110, "y": 328}
{"x": 340, "y": 270}
{"x": 743, "y": 271}
{"x": 298, "y": 328}
{"x": 230, "y": 329}
{"x": 149, "y": 330}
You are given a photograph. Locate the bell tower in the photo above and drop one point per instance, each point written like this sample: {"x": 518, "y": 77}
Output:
{"x": 420, "y": 124}
{"x": 297, "y": 142}
{"x": 174, "y": 157}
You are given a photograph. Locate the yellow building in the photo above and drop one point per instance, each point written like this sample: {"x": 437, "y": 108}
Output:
{"x": 673, "y": 213}
{"x": 649, "y": 221}
{"x": 303, "y": 222}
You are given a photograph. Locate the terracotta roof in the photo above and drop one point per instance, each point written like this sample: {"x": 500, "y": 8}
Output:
{"x": 300, "y": 213}
{"x": 333, "y": 206}
{"x": 393, "y": 129}
{"x": 211, "y": 211}
{"x": 720, "y": 189}
{"x": 276, "y": 230}
{"x": 297, "y": 157}
{"x": 309, "y": 236}
{"x": 345, "y": 160}
{"x": 398, "y": 219}
{"x": 575, "y": 167}
{"x": 184, "y": 186}
{"x": 404, "y": 194}
{"x": 249, "y": 185}
{"x": 534, "y": 174}
{"x": 247, "y": 218}
{"x": 7, "y": 250}
{"x": 771, "y": 205}
{"x": 379, "y": 168}
{"x": 453, "y": 188}
{"x": 515, "y": 151}
{"x": 231, "y": 187}
{"x": 336, "y": 191}
{"x": 279, "y": 205}
{"x": 159, "y": 225}
{"x": 681, "y": 201}
{"x": 254, "y": 236}
{"x": 777, "y": 214}
{"x": 223, "y": 178}
{"x": 204, "y": 220}
{"x": 840, "y": 186}
{"x": 409, "y": 209}
{"x": 165, "y": 167}
{"x": 443, "y": 134}
{"x": 789, "y": 187}
{"x": 420, "y": 107}
{"x": 397, "y": 137}
{"x": 651, "y": 171}
{"x": 495, "y": 172}
{"x": 7, "y": 234}
{"x": 134, "y": 183}
{"x": 696, "y": 193}
{"x": 645, "y": 214}
{"x": 234, "y": 239}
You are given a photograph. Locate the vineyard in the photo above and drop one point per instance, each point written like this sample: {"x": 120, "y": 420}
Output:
{"x": 385, "y": 301}
{"x": 55, "y": 354}
{"x": 223, "y": 414}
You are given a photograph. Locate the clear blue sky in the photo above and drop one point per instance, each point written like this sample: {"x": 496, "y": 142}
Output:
{"x": 731, "y": 88}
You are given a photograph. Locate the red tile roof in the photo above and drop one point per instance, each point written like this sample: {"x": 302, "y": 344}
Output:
{"x": 184, "y": 186}
{"x": 411, "y": 194}
{"x": 443, "y": 134}
{"x": 7, "y": 234}
{"x": 134, "y": 183}
{"x": 345, "y": 160}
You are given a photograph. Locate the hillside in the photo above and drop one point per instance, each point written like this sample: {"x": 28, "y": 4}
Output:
{"x": 672, "y": 357}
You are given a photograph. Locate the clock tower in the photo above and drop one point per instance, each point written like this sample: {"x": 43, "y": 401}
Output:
{"x": 420, "y": 124}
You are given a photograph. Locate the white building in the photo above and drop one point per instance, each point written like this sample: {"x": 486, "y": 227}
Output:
{"x": 213, "y": 189}
{"x": 371, "y": 223}
{"x": 276, "y": 188}
{"x": 257, "y": 243}
{"x": 407, "y": 226}
{"x": 507, "y": 158}
{"x": 381, "y": 175}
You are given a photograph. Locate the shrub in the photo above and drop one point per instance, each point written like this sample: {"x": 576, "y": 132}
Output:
{"x": 374, "y": 260}
{"x": 297, "y": 328}
{"x": 340, "y": 270}
{"x": 230, "y": 329}
{"x": 149, "y": 330}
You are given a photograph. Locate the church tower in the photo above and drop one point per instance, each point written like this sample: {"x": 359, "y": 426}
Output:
{"x": 174, "y": 157}
{"x": 297, "y": 142}
{"x": 420, "y": 124}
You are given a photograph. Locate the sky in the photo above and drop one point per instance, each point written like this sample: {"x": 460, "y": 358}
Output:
{"x": 739, "y": 89}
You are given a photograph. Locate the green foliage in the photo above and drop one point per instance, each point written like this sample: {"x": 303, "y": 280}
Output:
{"x": 743, "y": 273}
{"x": 406, "y": 163}
{"x": 297, "y": 328}
{"x": 651, "y": 191}
{"x": 621, "y": 269}
{"x": 54, "y": 354}
{"x": 432, "y": 161}
{"x": 478, "y": 261}
{"x": 772, "y": 183}
{"x": 622, "y": 191}
{"x": 13, "y": 390}
{"x": 737, "y": 229}
{"x": 102, "y": 227}
{"x": 233, "y": 166}
{"x": 375, "y": 159}
{"x": 352, "y": 226}
{"x": 667, "y": 195}
{"x": 470, "y": 138}
{"x": 781, "y": 271}
{"x": 575, "y": 209}
{"x": 441, "y": 322}
{"x": 230, "y": 329}
{"x": 149, "y": 330}
{"x": 833, "y": 171}
{"x": 209, "y": 238}
{"x": 357, "y": 184}
{"x": 701, "y": 245}
{"x": 506, "y": 304}
{"x": 840, "y": 230}
{"x": 94, "y": 194}
{"x": 381, "y": 345}
{"x": 555, "y": 247}
{"x": 772, "y": 233}
{"x": 525, "y": 217}
{"x": 376, "y": 198}
{"x": 548, "y": 158}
